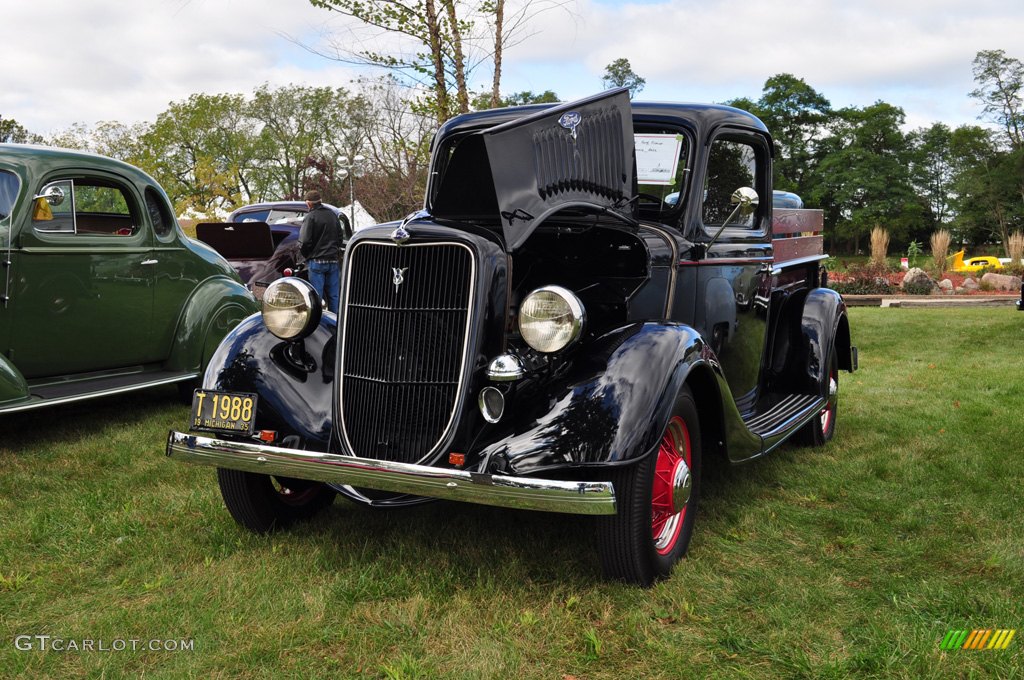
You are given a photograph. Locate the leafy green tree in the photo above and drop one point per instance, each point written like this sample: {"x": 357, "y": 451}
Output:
{"x": 205, "y": 153}
{"x": 1000, "y": 82}
{"x": 484, "y": 100}
{"x": 933, "y": 172}
{"x": 619, "y": 73}
{"x": 796, "y": 115}
{"x": 988, "y": 191}
{"x": 864, "y": 177}
{"x": 11, "y": 131}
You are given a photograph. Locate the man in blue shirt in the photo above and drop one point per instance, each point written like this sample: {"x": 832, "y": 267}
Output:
{"x": 320, "y": 243}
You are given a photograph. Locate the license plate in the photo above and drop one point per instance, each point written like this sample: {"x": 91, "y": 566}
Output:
{"x": 231, "y": 412}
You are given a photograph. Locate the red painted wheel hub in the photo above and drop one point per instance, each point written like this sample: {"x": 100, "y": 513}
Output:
{"x": 671, "y": 486}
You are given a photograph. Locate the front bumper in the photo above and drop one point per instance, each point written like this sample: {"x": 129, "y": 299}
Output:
{"x": 581, "y": 498}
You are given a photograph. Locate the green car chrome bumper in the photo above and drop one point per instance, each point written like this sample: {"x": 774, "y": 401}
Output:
{"x": 582, "y": 498}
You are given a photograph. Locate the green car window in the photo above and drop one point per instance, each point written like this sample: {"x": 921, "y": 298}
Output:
{"x": 88, "y": 207}
{"x": 8, "y": 194}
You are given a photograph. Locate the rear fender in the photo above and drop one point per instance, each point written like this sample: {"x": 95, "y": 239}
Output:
{"x": 293, "y": 380}
{"x": 613, "y": 409}
{"x": 823, "y": 324}
{"x": 214, "y": 308}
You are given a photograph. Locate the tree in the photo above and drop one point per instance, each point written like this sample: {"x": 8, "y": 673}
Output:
{"x": 205, "y": 153}
{"x": 988, "y": 186}
{"x": 397, "y": 149}
{"x": 620, "y": 74}
{"x": 440, "y": 43}
{"x": 796, "y": 115}
{"x": 933, "y": 172}
{"x": 485, "y": 100}
{"x": 12, "y": 132}
{"x": 864, "y": 176}
{"x": 1000, "y": 83}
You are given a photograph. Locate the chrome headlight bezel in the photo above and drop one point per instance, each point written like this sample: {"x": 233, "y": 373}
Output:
{"x": 549, "y": 334}
{"x": 291, "y": 308}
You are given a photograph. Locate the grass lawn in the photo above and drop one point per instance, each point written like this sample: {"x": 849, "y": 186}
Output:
{"x": 852, "y": 560}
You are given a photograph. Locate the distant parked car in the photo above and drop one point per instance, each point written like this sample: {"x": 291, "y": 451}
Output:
{"x": 102, "y": 293}
{"x": 974, "y": 264}
{"x": 267, "y": 246}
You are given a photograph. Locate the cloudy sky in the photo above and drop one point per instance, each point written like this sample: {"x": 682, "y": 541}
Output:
{"x": 69, "y": 61}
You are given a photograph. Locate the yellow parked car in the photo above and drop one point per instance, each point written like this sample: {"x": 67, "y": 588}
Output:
{"x": 974, "y": 264}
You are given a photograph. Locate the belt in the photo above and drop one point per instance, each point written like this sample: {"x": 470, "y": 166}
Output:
{"x": 325, "y": 261}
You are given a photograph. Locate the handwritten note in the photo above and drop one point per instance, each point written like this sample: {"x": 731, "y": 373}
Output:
{"x": 657, "y": 158}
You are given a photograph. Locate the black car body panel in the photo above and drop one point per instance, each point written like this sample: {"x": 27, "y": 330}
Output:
{"x": 572, "y": 306}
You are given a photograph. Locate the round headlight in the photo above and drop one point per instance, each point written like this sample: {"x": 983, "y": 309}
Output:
{"x": 550, "y": 318}
{"x": 291, "y": 308}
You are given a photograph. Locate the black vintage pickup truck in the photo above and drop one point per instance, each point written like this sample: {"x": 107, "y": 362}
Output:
{"x": 594, "y": 301}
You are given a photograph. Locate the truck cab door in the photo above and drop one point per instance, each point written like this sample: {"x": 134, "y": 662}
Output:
{"x": 734, "y": 277}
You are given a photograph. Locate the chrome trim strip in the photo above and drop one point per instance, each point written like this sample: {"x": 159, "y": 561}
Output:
{"x": 780, "y": 266}
{"x": 582, "y": 498}
{"x": 725, "y": 260}
{"x": 471, "y": 301}
{"x": 40, "y": 403}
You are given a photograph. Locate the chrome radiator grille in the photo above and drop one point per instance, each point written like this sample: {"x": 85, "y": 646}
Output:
{"x": 406, "y": 318}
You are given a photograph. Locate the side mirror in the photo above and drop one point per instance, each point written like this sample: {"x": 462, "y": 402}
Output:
{"x": 53, "y": 194}
{"x": 745, "y": 199}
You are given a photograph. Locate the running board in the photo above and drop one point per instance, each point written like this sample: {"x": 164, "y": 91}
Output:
{"x": 64, "y": 392}
{"x": 788, "y": 412}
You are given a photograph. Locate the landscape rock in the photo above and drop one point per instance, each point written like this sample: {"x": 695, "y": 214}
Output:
{"x": 946, "y": 285}
{"x": 1002, "y": 281}
{"x": 918, "y": 279}
{"x": 971, "y": 284}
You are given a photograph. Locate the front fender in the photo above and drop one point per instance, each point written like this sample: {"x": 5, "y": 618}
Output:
{"x": 13, "y": 387}
{"x": 214, "y": 308}
{"x": 292, "y": 379}
{"x": 613, "y": 410}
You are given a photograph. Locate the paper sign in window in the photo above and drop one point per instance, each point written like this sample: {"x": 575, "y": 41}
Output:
{"x": 657, "y": 158}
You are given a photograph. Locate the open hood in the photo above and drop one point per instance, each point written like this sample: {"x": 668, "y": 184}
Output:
{"x": 578, "y": 154}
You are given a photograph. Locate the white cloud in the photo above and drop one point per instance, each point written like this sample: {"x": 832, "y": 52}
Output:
{"x": 111, "y": 60}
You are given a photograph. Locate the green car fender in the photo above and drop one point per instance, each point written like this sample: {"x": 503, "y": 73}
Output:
{"x": 216, "y": 306}
{"x": 13, "y": 387}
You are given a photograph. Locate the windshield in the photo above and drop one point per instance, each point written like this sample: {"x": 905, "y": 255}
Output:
{"x": 8, "y": 195}
{"x": 661, "y": 167}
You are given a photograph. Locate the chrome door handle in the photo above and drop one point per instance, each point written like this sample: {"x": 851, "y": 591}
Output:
{"x": 149, "y": 261}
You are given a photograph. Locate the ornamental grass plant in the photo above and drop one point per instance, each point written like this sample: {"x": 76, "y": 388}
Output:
{"x": 940, "y": 249}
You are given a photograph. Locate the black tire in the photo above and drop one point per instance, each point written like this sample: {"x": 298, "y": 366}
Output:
{"x": 822, "y": 428}
{"x": 185, "y": 390}
{"x": 262, "y": 503}
{"x": 644, "y": 539}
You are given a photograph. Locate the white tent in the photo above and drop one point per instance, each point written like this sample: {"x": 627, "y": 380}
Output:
{"x": 362, "y": 220}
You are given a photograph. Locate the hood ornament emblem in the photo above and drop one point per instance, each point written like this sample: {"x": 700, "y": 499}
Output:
{"x": 398, "y": 277}
{"x": 400, "y": 235}
{"x": 570, "y": 120}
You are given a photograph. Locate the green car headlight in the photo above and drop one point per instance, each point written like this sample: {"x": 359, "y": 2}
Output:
{"x": 551, "y": 318}
{"x": 291, "y": 308}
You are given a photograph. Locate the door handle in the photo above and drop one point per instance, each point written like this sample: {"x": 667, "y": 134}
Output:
{"x": 149, "y": 261}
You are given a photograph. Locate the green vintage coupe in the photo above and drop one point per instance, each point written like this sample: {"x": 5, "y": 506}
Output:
{"x": 100, "y": 291}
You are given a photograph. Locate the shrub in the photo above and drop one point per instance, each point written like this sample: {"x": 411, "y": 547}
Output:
{"x": 879, "y": 245}
{"x": 864, "y": 279}
{"x": 913, "y": 252}
{"x": 940, "y": 247}
{"x": 918, "y": 288}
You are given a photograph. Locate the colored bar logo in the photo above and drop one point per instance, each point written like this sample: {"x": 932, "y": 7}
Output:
{"x": 980, "y": 638}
